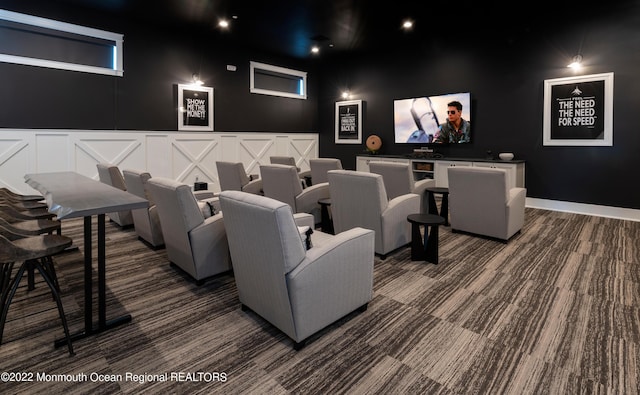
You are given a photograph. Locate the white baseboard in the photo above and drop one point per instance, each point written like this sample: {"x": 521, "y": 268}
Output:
{"x": 586, "y": 209}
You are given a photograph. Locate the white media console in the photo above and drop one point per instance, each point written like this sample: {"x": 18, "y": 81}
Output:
{"x": 437, "y": 168}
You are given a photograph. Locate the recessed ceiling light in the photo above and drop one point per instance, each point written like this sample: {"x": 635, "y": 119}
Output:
{"x": 223, "y": 23}
{"x": 315, "y": 49}
{"x": 407, "y": 24}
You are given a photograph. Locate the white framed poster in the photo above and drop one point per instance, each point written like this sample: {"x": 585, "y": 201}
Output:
{"x": 349, "y": 122}
{"x": 195, "y": 108}
{"x": 579, "y": 111}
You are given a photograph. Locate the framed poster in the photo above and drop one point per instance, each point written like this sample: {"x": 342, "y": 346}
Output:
{"x": 579, "y": 110}
{"x": 349, "y": 122}
{"x": 195, "y": 108}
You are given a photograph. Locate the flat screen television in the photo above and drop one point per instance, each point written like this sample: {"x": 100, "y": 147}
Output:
{"x": 419, "y": 120}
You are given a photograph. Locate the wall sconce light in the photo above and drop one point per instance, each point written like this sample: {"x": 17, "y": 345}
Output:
{"x": 196, "y": 79}
{"x": 346, "y": 95}
{"x": 576, "y": 62}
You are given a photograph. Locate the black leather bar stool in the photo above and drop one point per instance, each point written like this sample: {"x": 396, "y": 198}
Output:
{"x": 40, "y": 213}
{"x": 30, "y": 250}
{"x": 23, "y": 205}
{"x": 34, "y": 227}
{"x": 17, "y": 196}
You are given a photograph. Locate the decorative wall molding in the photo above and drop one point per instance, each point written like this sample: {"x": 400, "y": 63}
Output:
{"x": 181, "y": 156}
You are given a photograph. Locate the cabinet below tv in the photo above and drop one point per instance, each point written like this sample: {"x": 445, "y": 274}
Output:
{"x": 437, "y": 168}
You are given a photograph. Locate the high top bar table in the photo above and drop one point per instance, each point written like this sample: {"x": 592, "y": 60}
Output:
{"x": 72, "y": 195}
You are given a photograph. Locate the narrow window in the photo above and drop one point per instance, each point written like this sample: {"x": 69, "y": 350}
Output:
{"x": 278, "y": 81}
{"x": 35, "y": 41}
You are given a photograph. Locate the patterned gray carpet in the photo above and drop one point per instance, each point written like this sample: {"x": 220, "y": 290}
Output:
{"x": 556, "y": 310}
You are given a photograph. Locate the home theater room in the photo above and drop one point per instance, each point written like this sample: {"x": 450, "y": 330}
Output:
{"x": 313, "y": 197}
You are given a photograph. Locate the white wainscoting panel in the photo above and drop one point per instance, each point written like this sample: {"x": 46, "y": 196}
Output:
{"x": 182, "y": 156}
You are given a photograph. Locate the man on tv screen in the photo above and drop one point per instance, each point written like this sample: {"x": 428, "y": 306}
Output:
{"x": 455, "y": 129}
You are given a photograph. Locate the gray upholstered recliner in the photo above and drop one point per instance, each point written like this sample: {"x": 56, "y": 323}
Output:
{"x": 195, "y": 244}
{"x": 145, "y": 220}
{"x": 398, "y": 180}
{"x": 233, "y": 177}
{"x": 281, "y": 182}
{"x": 360, "y": 199}
{"x": 480, "y": 203}
{"x": 320, "y": 167}
{"x": 110, "y": 174}
{"x": 297, "y": 290}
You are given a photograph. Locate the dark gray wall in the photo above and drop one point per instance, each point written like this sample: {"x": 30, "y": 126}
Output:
{"x": 504, "y": 74}
{"x": 156, "y": 59}
{"x": 506, "y": 80}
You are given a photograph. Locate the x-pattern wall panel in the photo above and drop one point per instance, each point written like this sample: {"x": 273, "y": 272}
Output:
{"x": 177, "y": 155}
{"x": 14, "y": 159}
{"x": 194, "y": 157}
{"x": 124, "y": 151}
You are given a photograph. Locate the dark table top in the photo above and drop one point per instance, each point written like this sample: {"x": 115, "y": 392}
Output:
{"x": 437, "y": 189}
{"x": 425, "y": 219}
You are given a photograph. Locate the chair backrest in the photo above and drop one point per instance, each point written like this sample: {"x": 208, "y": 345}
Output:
{"x": 284, "y": 160}
{"x": 320, "y": 167}
{"x": 135, "y": 183}
{"x": 357, "y": 199}
{"x": 179, "y": 213}
{"x": 478, "y": 195}
{"x": 231, "y": 175}
{"x": 265, "y": 245}
{"x": 398, "y": 177}
{"x": 110, "y": 174}
{"x": 281, "y": 182}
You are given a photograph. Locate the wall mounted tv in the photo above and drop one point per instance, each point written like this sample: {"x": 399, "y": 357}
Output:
{"x": 420, "y": 120}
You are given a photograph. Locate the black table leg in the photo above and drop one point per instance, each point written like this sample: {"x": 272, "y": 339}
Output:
{"x": 103, "y": 324}
{"x": 433, "y": 208}
{"x": 431, "y": 244}
{"x": 417, "y": 248}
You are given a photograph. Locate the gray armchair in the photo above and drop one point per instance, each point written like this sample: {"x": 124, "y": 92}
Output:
{"x": 145, "y": 220}
{"x": 480, "y": 203}
{"x": 110, "y": 174}
{"x": 233, "y": 177}
{"x": 320, "y": 167}
{"x": 297, "y": 290}
{"x": 398, "y": 180}
{"x": 281, "y": 182}
{"x": 360, "y": 199}
{"x": 195, "y": 244}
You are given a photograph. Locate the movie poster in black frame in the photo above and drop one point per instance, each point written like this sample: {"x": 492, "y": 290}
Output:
{"x": 348, "y": 126}
{"x": 195, "y": 108}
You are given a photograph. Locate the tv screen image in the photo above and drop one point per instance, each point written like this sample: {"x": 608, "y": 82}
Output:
{"x": 419, "y": 120}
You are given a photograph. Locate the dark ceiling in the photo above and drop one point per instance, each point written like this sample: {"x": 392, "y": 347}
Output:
{"x": 291, "y": 27}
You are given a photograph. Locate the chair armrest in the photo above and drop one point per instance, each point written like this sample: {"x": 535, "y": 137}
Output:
{"x": 308, "y": 199}
{"x": 517, "y": 196}
{"x": 421, "y": 185}
{"x": 515, "y": 209}
{"x": 304, "y": 219}
{"x": 333, "y": 280}
{"x": 305, "y": 173}
{"x": 402, "y": 206}
{"x": 202, "y": 195}
{"x": 210, "y": 232}
{"x": 254, "y": 187}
